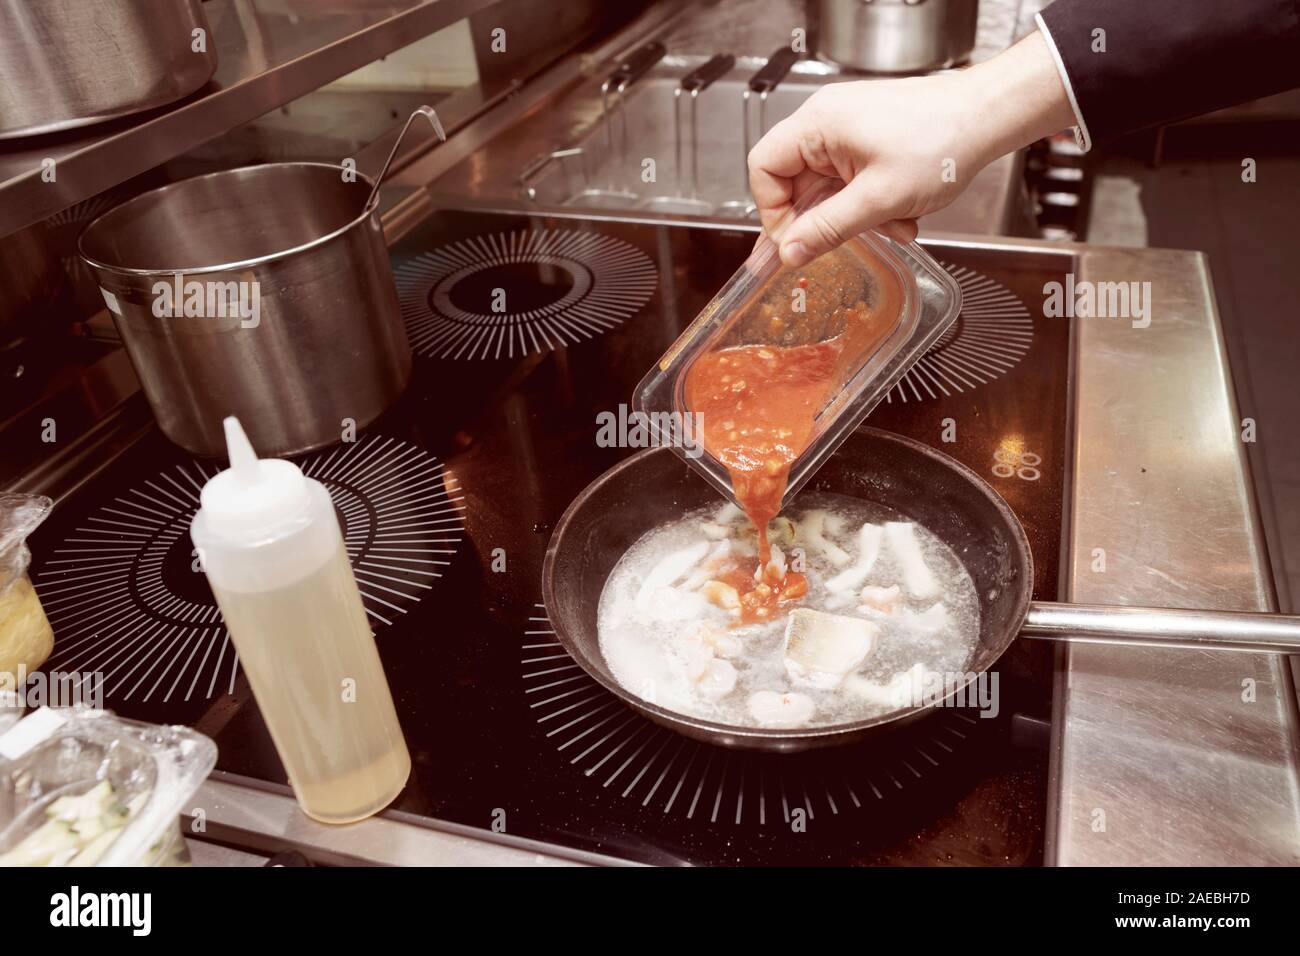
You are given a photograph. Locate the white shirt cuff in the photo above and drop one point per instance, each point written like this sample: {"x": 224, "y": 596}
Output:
{"x": 1081, "y": 128}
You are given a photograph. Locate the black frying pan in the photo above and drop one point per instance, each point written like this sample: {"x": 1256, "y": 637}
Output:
{"x": 655, "y": 486}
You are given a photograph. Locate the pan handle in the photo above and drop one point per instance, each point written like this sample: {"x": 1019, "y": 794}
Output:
{"x": 1164, "y": 627}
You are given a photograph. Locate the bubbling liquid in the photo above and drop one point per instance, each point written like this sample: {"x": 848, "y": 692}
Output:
{"x": 673, "y": 635}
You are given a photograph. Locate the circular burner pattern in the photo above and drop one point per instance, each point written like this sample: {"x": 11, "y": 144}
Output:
{"x": 991, "y": 335}
{"x": 511, "y": 294}
{"x": 126, "y": 597}
{"x": 639, "y": 760}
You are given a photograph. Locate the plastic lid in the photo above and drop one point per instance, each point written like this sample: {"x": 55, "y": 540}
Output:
{"x": 253, "y": 494}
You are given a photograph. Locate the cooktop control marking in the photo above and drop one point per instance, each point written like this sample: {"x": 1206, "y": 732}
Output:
{"x": 639, "y": 760}
{"x": 510, "y": 294}
{"x": 989, "y": 337}
{"x": 127, "y": 600}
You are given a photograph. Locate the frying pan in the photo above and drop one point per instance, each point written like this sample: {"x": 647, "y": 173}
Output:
{"x": 655, "y": 486}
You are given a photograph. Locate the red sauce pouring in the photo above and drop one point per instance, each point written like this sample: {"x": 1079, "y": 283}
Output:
{"x": 759, "y": 403}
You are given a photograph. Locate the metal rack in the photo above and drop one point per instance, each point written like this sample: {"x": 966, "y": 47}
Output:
{"x": 269, "y": 54}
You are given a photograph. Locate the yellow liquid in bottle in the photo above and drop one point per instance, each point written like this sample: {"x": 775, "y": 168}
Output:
{"x": 311, "y": 660}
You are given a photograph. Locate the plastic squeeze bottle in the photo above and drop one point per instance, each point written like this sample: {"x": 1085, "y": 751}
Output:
{"x": 270, "y": 544}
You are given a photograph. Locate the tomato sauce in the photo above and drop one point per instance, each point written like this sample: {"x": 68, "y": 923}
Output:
{"x": 758, "y": 405}
{"x": 759, "y": 402}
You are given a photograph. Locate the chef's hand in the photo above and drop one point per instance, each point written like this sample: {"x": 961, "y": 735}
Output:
{"x": 902, "y": 148}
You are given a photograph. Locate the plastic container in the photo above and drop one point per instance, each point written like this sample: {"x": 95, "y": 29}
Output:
{"x": 270, "y": 544}
{"x": 26, "y": 637}
{"x": 128, "y": 785}
{"x": 910, "y": 302}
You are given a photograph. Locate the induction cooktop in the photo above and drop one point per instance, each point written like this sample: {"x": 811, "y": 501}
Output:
{"x": 526, "y": 329}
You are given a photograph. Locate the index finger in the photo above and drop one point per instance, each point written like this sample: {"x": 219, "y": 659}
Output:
{"x": 774, "y": 163}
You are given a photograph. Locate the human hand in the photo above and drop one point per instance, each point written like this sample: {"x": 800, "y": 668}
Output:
{"x": 902, "y": 148}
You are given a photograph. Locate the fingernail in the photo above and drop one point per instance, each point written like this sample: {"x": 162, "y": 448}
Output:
{"x": 794, "y": 253}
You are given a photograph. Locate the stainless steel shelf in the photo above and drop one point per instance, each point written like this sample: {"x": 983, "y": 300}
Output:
{"x": 270, "y": 52}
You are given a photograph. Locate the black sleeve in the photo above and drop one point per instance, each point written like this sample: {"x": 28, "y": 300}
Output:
{"x": 1166, "y": 60}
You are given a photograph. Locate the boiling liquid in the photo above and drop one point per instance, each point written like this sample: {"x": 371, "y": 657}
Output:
{"x": 312, "y": 662}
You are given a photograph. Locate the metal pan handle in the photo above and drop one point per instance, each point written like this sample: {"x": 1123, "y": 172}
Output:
{"x": 702, "y": 77}
{"x": 774, "y": 71}
{"x": 1164, "y": 627}
{"x": 635, "y": 66}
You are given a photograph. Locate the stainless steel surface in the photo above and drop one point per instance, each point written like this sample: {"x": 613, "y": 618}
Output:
{"x": 894, "y": 36}
{"x": 756, "y": 26}
{"x": 31, "y": 281}
{"x": 270, "y": 52}
{"x": 1166, "y": 757}
{"x": 313, "y": 341}
{"x": 211, "y": 854}
{"x": 561, "y": 152}
{"x": 1189, "y": 628}
{"x": 67, "y": 63}
{"x": 262, "y": 821}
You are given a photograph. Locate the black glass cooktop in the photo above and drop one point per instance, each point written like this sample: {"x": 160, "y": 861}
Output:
{"x": 526, "y": 329}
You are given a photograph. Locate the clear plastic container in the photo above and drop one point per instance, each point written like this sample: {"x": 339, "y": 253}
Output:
{"x": 82, "y": 787}
{"x": 883, "y": 302}
{"x": 26, "y": 638}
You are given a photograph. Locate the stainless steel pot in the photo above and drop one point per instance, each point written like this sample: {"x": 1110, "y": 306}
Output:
{"x": 262, "y": 292}
{"x": 894, "y": 36}
{"x": 66, "y": 63}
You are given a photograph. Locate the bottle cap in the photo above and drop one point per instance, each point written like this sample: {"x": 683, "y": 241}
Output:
{"x": 253, "y": 494}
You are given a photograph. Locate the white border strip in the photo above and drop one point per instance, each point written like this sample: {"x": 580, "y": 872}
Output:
{"x": 1081, "y": 130}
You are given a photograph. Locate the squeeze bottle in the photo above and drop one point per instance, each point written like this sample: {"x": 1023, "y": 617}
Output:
{"x": 270, "y": 543}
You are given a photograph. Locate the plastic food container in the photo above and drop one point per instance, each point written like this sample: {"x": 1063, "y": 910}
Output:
{"x": 889, "y": 301}
{"x": 84, "y": 787}
{"x": 26, "y": 638}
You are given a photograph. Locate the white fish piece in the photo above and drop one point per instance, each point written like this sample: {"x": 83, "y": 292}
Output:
{"x": 728, "y": 514}
{"x": 668, "y": 571}
{"x": 718, "y": 680}
{"x": 772, "y": 709}
{"x": 676, "y": 604}
{"x": 907, "y": 688}
{"x": 810, "y": 529}
{"x": 693, "y": 654}
{"x": 877, "y": 600}
{"x": 917, "y": 577}
{"x": 716, "y": 558}
{"x": 852, "y": 577}
{"x": 725, "y": 645}
{"x": 775, "y": 568}
{"x": 930, "y": 620}
{"x": 721, "y": 594}
{"x": 821, "y": 648}
{"x": 715, "y": 532}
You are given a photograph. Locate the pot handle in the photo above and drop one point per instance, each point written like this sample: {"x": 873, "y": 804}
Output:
{"x": 1164, "y": 627}
{"x": 428, "y": 113}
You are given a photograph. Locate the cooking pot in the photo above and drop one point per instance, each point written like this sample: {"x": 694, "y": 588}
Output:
{"x": 262, "y": 292}
{"x": 894, "y": 36}
{"x": 66, "y": 63}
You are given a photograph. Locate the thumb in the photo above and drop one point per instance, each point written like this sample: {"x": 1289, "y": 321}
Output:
{"x": 852, "y": 210}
